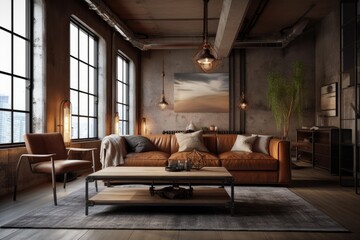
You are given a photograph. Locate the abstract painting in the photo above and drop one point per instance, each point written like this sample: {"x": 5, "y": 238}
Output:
{"x": 201, "y": 92}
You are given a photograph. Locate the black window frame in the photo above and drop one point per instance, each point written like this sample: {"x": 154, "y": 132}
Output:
{"x": 77, "y": 115}
{"x": 29, "y": 86}
{"x": 123, "y": 108}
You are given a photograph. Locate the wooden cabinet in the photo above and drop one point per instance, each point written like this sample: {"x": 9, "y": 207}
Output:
{"x": 320, "y": 147}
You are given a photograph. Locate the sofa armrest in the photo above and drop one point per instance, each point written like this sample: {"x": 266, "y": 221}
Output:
{"x": 280, "y": 149}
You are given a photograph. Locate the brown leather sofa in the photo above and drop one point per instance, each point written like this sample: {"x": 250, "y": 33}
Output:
{"x": 247, "y": 167}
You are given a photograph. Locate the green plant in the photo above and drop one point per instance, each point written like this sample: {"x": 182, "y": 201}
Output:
{"x": 285, "y": 97}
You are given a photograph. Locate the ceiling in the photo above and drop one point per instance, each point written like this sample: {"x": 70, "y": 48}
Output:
{"x": 177, "y": 24}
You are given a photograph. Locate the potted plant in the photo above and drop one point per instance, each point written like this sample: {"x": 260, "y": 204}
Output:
{"x": 285, "y": 96}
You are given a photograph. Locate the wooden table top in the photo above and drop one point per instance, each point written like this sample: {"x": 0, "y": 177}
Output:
{"x": 149, "y": 173}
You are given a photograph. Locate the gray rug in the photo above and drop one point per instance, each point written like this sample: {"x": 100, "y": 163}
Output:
{"x": 257, "y": 209}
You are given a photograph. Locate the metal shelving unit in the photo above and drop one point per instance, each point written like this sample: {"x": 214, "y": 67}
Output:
{"x": 349, "y": 94}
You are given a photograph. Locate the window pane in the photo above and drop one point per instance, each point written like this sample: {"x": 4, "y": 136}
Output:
{"x": 5, "y": 14}
{"x": 124, "y": 112}
{"x": 20, "y": 126}
{"x": 91, "y": 80}
{"x": 74, "y": 102}
{"x": 83, "y": 44}
{"x": 124, "y": 128}
{"x": 119, "y": 69}
{"x": 119, "y": 92}
{"x": 20, "y": 94}
{"x": 91, "y": 106}
{"x": 125, "y": 76}
{"x": 125, "y": 93}
{"x": 92, "y": 125}
{"x": 20, "y": 65}
{"x": 5, "y": 127}
{"x": 5, "y": 51}
{"x": 74, "y": 73}
{"x": 91, "y": 51}
{"x": 119, "y": 109}
{"x": 75, "y": 127}
{"x": 5, "y": 91}
{"x": 83, "y": 126}
{"x": 73, "y": 40}
{"x": 20, "y": 16}
{"x": 83, "y": 77}
{"x": 83, "y": 104}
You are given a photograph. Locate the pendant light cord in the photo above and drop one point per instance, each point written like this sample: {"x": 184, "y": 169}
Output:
{"x": 163, "y": 77}
{"x": 205, "y": 25}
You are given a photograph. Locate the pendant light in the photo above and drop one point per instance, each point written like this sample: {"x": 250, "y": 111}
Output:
{"x": 163, "y": 104}
{"x": 205, "y": 57}
{"x": 243, "y": 103}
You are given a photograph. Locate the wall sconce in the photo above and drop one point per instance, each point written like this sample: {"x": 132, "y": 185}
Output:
{"x": 163, "y": 104}
{"x": 143, "y": 126}
{"x": 116, "y": 123}
{"x": 65, "y": 121}
{"x": 243, "y": 103}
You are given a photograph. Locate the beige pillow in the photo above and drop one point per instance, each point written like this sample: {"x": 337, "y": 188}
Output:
{"x": 190, "y": 141}
{"x": 243, "y": 143}
{"x": 261, "y": 143}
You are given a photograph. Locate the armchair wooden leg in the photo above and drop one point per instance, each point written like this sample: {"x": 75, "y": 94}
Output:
{"x": 53, "y": 181}
{"x": 94, "y": 169}
{"x": 65, "y": 179}
{"x": 16, "y": 176}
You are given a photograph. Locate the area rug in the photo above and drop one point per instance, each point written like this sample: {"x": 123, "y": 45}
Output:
{"x": 257, "y": 209}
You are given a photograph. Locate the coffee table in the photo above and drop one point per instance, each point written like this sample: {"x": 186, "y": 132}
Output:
{"x": 141, "y": 196}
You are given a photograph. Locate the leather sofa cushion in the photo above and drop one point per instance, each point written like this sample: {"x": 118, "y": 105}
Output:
{"x": 210, "y": 159}
{"x": 248, "y": 161}
{"x": 153, "y": 158}
{"x": 162, "y": 142}
{"x": 152, "y": 155}
{"x": 225, "y": 142}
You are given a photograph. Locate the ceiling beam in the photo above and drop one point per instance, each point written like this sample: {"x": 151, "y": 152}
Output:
{"x": 231, "y": 18}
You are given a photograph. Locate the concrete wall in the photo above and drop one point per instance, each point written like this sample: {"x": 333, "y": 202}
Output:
{"x": 259, "y": 63}
{"x": 176, "y": 61}
{"x": 327, "y": 61}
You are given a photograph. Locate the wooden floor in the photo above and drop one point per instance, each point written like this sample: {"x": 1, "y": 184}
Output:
{"x": 315, "y": 186}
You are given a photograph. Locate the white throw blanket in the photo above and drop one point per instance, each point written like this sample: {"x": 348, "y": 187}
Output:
{"x": 111, "y": 152}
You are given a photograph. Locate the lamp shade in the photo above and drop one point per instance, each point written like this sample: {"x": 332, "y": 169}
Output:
{"x": 163, "y": 104}
{"x": 116, "y": 123}
{"x": 143, "y": 126}
{"x": 65, "y": 115}
{"x": 243, "y": 103}
{"x": 206, "y": 57}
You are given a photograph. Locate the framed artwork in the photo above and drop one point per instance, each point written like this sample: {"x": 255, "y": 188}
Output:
{"x": 329, "y": 100}
{"x": 201, "y": 92}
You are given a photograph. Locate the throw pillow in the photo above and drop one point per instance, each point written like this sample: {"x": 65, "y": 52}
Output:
{"x": 261, "y": 143}
{"x": 190, "y": 141}
{"x": 140, "y": 144}
{"x": 243, "y": 143}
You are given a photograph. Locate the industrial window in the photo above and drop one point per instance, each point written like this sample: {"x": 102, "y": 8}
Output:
{"x": 83, "y": 82}
{"x": 15, "y": 70}
{"x": 122, "y": 93}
